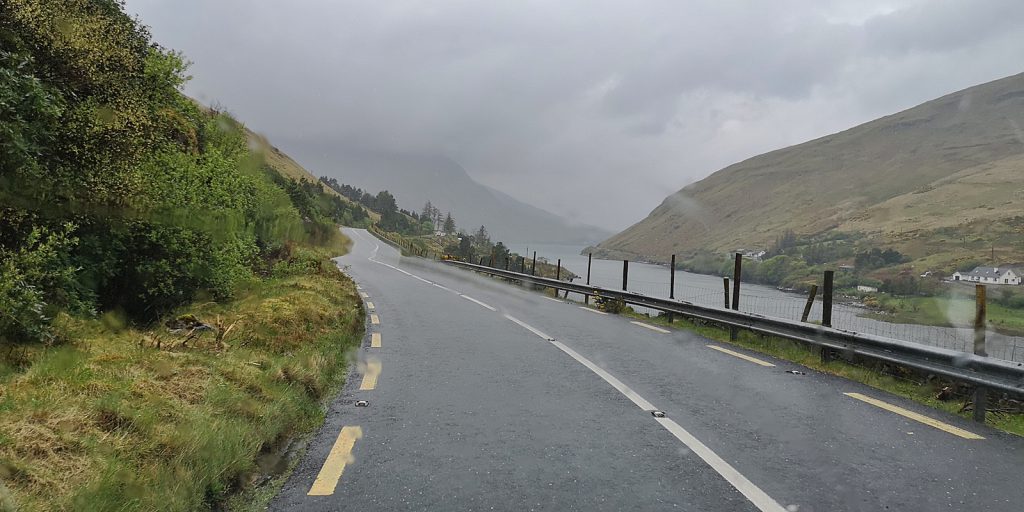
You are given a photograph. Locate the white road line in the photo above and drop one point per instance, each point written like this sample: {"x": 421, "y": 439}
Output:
{"x": 528, "y": 327}
{"x": 471, "y": 299}
{"x": 616, "y": 383}
{"x": 741, "y": 356}
{"x": 421, "y": 279}
{"x": 759, "y": 498}
{"x": 651, "y": 327}
{"x": 554, "y": 299}
{"x": 443, "y": 287}
{"x": 592, "y": 310}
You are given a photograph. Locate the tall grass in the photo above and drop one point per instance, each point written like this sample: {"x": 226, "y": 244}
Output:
{"x": 111, "y": 422}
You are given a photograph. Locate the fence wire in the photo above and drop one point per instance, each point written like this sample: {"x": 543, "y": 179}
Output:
{"x": 845, "y": 316}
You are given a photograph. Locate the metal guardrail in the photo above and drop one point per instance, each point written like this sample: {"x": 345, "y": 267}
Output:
{"x": 978, "y": 370}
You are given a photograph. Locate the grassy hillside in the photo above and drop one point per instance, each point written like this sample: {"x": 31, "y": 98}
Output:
{"x": 168, "y": 311}
{"x": 927, "y": 182}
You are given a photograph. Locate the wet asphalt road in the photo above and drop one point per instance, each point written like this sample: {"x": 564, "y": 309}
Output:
{"x": 473, "y": 410}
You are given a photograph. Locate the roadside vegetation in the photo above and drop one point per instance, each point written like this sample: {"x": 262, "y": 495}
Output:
{"x": 168, "y": 309}
{"x": 123, "y": 417}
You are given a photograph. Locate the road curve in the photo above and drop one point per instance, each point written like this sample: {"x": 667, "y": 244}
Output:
{"x": 483, "y": 396}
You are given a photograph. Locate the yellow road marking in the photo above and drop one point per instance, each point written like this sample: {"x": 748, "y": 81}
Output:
{"x": 651, "y": 327}
{"x": 374, "y": 319}
{"x": 370, "y": 374}
{"x": 915, "y": 416}
{"x": 334, "y": 466}
{"x": 364, "y": 295}
{"x": 741, "y": 356}
{"x": 375, "y": 340}
{"x": 369, "y": 305}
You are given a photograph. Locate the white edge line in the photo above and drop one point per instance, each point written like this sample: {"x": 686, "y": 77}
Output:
{"x": 471, "y": 299}
{"x": 651, "y": 327}
{"x": 443, "y": 287}
{"x": 759, "y": 498}
{"x": 616, "y": 383}
{"x": 530, "y": 328}
{"x": 554, "y": 299}
{"x": 592, "y": 310}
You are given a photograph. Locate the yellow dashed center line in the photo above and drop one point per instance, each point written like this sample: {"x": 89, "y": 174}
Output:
{"x": 375, "y": 340}
{"x": 741, "y": 356}
{"x": 374, "y": 319}
{"x": 651, "y": 327}
{"x": 370, "y": 374}
{"x": 915, "y": 416}
{"x": 369, "y": 305}
{"x": 334, "y": 466}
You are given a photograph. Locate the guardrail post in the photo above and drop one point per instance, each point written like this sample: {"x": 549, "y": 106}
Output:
{"x": 826, "y": 299}
{"x": 737, "y": 273}
{"x": 826, "y": 311}
{"x": 533, "y": 269}
{"x": 558, "y": 273}
{"x": 625, "y": 273}
{"x": 506, "y": 263}
{"x": 810, "y": 303}
{"x": 980, "y": 314}
{"x": 725, "y": 280}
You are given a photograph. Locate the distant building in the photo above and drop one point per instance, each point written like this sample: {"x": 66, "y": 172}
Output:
{"x": 847, "y": 268}
{"x": 754, "y": 255}
{"x": 990, "y": 275}
{"x": 867, "y": 289}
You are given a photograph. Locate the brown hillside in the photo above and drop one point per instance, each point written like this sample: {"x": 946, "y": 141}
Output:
{"x": 945, "y": 163}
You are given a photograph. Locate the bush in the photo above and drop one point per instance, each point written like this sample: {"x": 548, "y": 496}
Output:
{"x": 36, "y": 280}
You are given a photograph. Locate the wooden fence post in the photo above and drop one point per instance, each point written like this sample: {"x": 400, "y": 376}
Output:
{"x": 980, "y": 314}
{"x": 810, "y": 303}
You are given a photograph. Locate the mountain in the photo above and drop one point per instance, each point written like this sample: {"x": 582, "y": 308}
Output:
{"x": 416, "y": 179}
{"x": 920, "y": 181}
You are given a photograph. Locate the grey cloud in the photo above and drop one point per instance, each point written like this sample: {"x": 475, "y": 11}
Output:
{"x": 621, "y": 103}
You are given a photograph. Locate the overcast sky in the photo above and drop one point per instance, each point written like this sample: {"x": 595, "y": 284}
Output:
{"x": 595, "y": 110}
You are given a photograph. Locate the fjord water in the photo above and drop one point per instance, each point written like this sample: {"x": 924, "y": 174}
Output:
{"x": 708, "y": 290}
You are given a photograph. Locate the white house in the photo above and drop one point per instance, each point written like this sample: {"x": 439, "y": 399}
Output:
{"x": 990, "y": 275}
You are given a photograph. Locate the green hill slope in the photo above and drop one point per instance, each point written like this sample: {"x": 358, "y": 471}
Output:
{"x": 916, "y": 181}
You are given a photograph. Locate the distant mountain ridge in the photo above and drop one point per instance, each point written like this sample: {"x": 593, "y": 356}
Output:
{"x": 921, "y": 175}
{"x": 415, "y": 179}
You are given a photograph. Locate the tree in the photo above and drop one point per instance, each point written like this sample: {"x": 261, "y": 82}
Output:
{"x": 481, "y": 237}
{"x": 385, "y": 202}
{"x": 428, "y": 212}
{"x": 449, "y": 224}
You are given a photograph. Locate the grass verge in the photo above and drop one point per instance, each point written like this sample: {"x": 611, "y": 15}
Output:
{"x": 947, "y": 312}
{"x": 120, "y": 418}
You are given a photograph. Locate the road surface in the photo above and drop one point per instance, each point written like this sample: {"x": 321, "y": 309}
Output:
{"x": 485, "y": 396}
